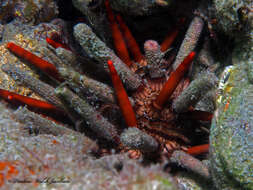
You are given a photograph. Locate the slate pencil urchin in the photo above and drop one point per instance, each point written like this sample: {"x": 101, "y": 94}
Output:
{"x": 157, "y": 90}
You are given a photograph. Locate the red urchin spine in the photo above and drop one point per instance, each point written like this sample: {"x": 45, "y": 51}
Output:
{"x": 30, "y": 102}
{"x": 200, "y": 149}
{"x": 130, "y": 40}
{"x": 117, "y": 36}
{"x": 173, "y": 81}
{"x": 122, "y": 97}
{"x": 45, "y": 66}
{"x": 171, "y": 36}
{"x": 169, "y": 40}
{"x": 56, "y": 44}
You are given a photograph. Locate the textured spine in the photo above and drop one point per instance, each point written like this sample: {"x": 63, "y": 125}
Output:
{"x": 190, "y": 163}
{"x": 195, "y": 91}
{"x": 95, "y": 121}
{"x": 154, "y": 58}
{"x": 44, "y": 90}
{"x": 99, "y": 51}
{"x": 101, "y": 91}
{"x": 190, "y": 41}
{"x": 136, "y": 139}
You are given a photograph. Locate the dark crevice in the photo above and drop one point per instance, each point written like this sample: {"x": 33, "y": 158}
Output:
{"x": 67, "y": 11}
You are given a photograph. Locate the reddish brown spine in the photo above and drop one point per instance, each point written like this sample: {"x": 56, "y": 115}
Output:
{"x": 200, "y": 149}
{"x": 117, "y": 36}
{"x": 45, "y": 66}
{"x": 171, "y": 36}
{"x": 23, "y": 100}
{"x": 56, "y": 44}
{"x": 169, "y": 40}
{"x": 130, "y": 40}
{"x": 124, "y": 103}
{"x": 173, "y": 81}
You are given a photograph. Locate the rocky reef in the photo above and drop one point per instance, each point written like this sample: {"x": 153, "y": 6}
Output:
{"x": 28, "y": 11}
{"x": 231, "y": 131}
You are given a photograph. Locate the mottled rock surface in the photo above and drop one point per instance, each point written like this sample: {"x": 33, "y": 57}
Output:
{"x": 232, "y": 133}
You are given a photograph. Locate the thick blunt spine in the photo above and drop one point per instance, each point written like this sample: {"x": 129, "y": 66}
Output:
{"x": 99, "y": 51}
{"x": 95, "y": 121}
{"x": 154, "y": 58}
{"x": 67, "y": 57}
{"x": 190, "y": 41}
{"x": 190, "y": 163}
{"x": 37, "y": 122}
{"x": 44, "y": 90}
{"x": 195, "y": 91}
{"x": 101, "y": 91}
{"x": 136, "y": 139}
